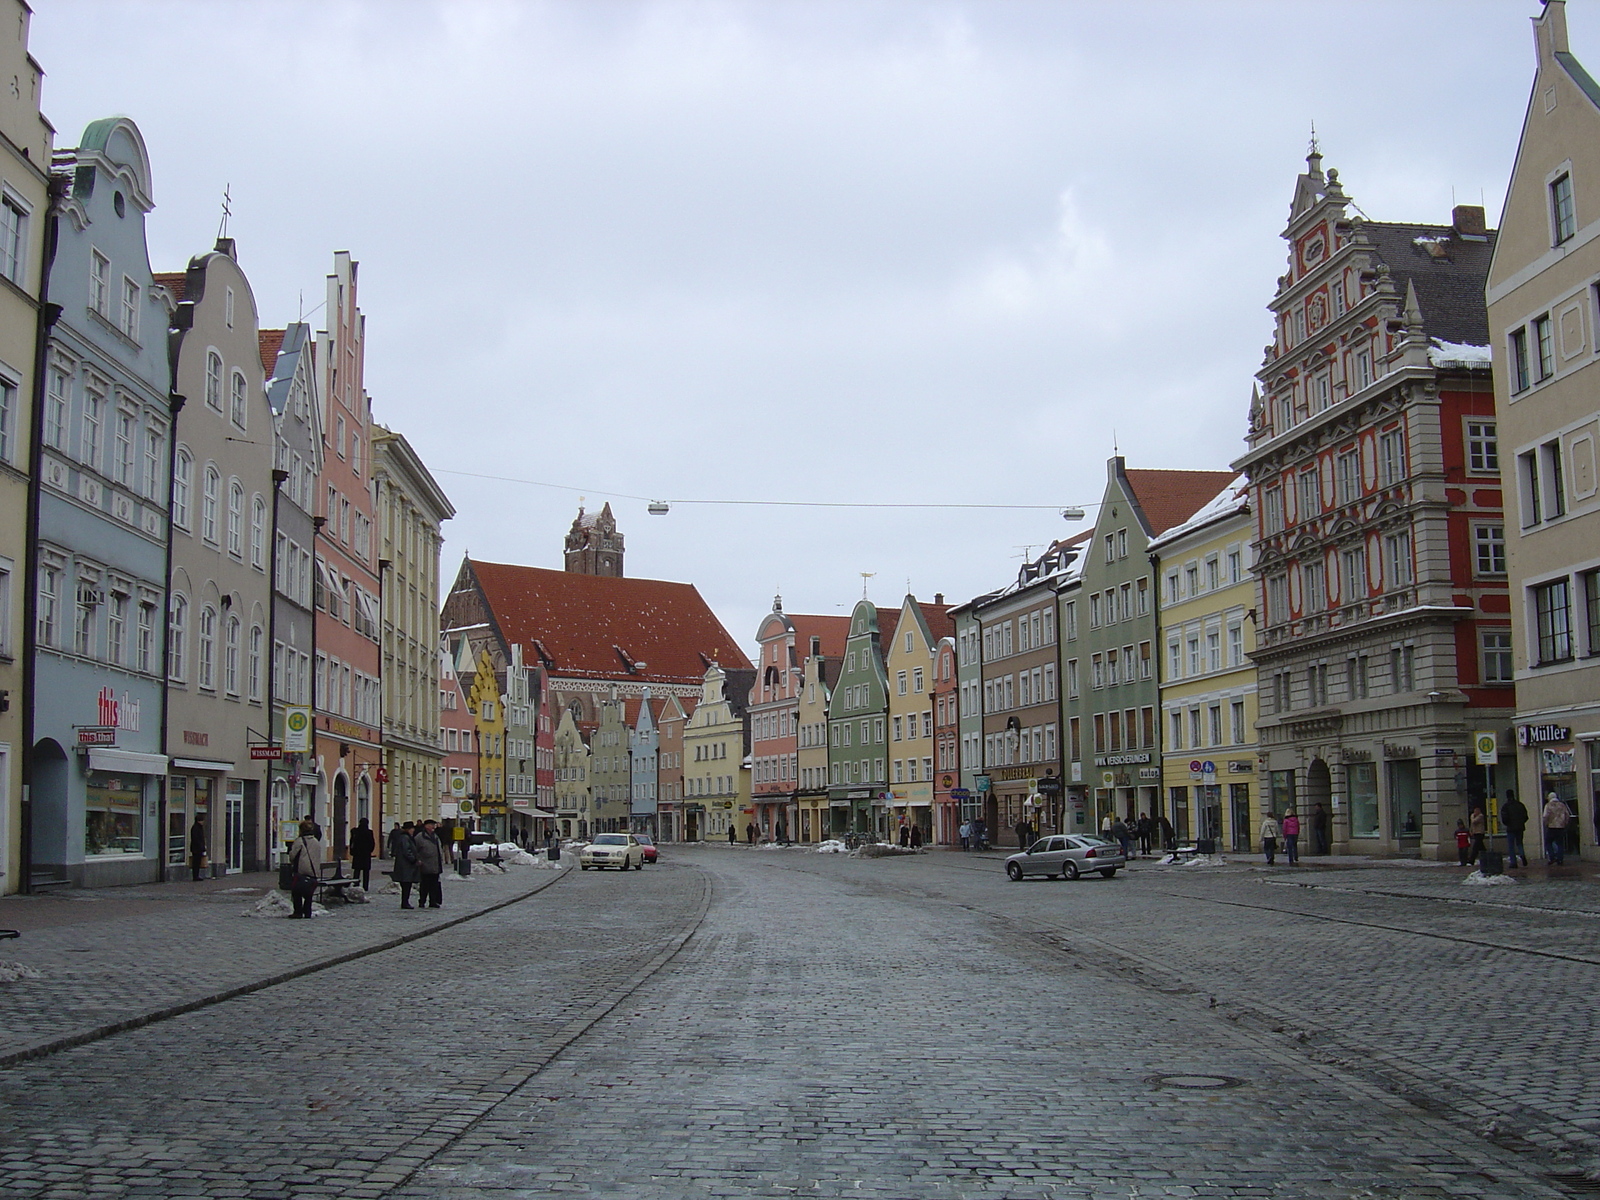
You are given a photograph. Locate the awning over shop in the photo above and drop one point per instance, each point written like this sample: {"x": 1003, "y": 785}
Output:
{"x": 203, "y": 764}
{"x": 131, "y": 762}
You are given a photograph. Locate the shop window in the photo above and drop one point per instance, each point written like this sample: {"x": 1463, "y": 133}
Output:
{"x": 113, "y": 814}
{"x": 1361, "y": 779}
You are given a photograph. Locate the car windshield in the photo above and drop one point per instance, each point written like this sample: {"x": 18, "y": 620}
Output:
{"x": 611, "y": 839}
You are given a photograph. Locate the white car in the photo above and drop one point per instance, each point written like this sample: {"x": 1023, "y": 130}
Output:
{"x": 620, "y": 850}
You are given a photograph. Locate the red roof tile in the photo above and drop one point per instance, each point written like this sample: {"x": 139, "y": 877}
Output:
{"x": 176, "y": 282}
{"x": 581, "y": 621}
{"x": 1169, "y": 498}
{"x": 832, "y": 631}
{"x": 271, "y": 342}
{"x": 940, "y": 623}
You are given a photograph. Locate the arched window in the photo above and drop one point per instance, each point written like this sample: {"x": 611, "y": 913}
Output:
{"x": 209, "y": 497}
{"x": 235, "y": 518}
{"x": 256, "y": 638}
{"x": 230, "y": 656}
{"x": 236, "y": 399}
{"x": 258, "y": 533}
{"x": 214, "y": 380}
{"x": 207, "y": 637}
{"x": 177, "y": 633}
{"x": 182, "y": 488}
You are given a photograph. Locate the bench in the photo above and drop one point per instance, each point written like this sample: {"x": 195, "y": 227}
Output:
{"x": 335, "y": 885}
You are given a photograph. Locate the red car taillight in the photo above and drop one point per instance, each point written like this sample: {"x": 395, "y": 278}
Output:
{"x": 1089, "y": 853}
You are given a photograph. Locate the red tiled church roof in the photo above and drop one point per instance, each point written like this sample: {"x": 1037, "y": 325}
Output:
{"x": 580, "y": 622}
{"x": 1169, "y": 498}
{"x": 271, "y": 342}
{"x": 832, "y": 631}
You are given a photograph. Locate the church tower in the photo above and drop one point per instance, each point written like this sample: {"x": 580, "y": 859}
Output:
{"x": 594, "y": 547}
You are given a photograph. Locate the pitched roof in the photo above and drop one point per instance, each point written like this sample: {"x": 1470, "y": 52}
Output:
{"x": 271, "y": 341}
{"x": 937, "y": 616}
{"x": 176, "y": 282}
{"x": 1449, "y": 277}
{"x": 832, "y": 630}
{"x": 1230, "y": 501}
{"x": 584, "y": 624}
{"x": 1170, "y": 497}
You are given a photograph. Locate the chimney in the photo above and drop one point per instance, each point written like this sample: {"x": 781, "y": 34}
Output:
{"x": 938, "y": 597}
{"x": 1469, "y": 219}
{"x": 816, "y": 646}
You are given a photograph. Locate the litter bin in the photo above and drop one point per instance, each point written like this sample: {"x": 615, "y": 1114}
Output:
{"x": 1491, "y": 862}
{"x": 285, "y": 876}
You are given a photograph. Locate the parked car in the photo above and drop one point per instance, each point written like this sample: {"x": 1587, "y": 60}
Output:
{"x": 648, "y": 845}
{"x": 1067, "y": 855}
{"x": 620, "y": 850}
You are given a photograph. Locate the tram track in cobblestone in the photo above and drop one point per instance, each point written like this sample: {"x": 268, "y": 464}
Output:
{"x": 399, "y": 1168}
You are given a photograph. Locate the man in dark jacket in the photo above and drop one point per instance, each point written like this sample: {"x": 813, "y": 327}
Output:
{"x": 363, "y": 843}
{"x": 1514, "y": 816}
{"x": 430, "y": 865}
{"x": 197, "y": 849}
{"x": 403, "y": 849}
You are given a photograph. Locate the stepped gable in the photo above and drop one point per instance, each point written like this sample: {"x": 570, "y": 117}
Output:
{"x": 575, "y": 624}
{"x": 1168, "y": 498}
{"x": 1449, "y": 271}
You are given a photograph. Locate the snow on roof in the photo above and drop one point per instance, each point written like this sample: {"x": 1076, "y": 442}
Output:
{"x": 1234, "y": 498}
{"x": 1457, "y": 354}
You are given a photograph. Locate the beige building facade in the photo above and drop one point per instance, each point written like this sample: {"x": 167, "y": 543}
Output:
{"x": 1543, "y": 292}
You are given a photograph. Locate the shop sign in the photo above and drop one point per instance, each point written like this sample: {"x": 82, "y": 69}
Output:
{"x": 983, "y": 783}
{"x": 1237, "y": 767}
{"x": 1077, "y": 772}
{"x": 97, "y": 735}
{"x": 119, "y": 714}
{"x": 258, "y": 753}
{"x": 960, "y": 794}
{"x": 1353, "y": 755}
{"x": 1539, "y": 735}
{"x": 381, "y": 774}
{"x": 1148, "y": 773}
{"x": 1392, "y": 751}
{"x": 297, "y": 730}
{"x": 1120, "y": 760}
{"x": 196, "y": 737}
{"x": 349, "y": 729}
{"x": 1486, "y": 746}
{"x": 1558, "y": 762}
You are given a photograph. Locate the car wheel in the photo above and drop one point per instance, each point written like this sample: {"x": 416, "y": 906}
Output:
{"x": 1069, "y": 870}
{"x": 1108, "y": 872}
{"x": 1014, "y": 872}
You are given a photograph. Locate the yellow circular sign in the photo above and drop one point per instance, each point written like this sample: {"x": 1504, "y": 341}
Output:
{"x": 1486, "y": 744}
{"x": 297, "y": 721}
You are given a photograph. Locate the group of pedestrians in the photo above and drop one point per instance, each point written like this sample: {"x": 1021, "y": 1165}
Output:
{"x": 1288, "y": 830}
{"x": 1144, "y": 828}
{"x": 1554, "y": 820}
{"x": 419, "y": 859}
{"x": 974, "y": 834}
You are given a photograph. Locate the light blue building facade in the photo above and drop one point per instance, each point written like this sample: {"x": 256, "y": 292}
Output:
{"x": 100, "y": 600}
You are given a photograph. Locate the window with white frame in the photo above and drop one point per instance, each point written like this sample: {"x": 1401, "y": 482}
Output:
{"x": 210, "y": 498}
{"x": 1544, "y": 347}
{"x": 58, "y": 395}
{"x": 1489, "y": 549}
{"x": 91, "y": 432}
{"x": 1347, "y": 476}
{"x": 100, "y": 283}
{"x": 128, "y": 314}
{"x": 231, "y": 638}
{"x": 8, "y": 419}
{"x": 206, "y": 647}
{"x": 1497, "y": 666}
{"x": 1355, "y": 574}
{"x": 13, "y": 239}
{"x": 1397, "y": 553}
{"x": 1391, "y": 457}
{"x": 1483, "y": 446}
{"x": 258, "y": 533}
{"x": 238, "y": 397}
{"x": 213, "y": 381}
{"x": 177, "y": 633}
{"x": 235, "y": 518}
{"x": 1563, "y": 212}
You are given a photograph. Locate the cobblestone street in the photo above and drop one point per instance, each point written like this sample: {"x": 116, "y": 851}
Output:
{"x": 754, "y": 1023}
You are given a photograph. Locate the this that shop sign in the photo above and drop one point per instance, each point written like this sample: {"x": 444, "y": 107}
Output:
{"x": 111, "y": 714}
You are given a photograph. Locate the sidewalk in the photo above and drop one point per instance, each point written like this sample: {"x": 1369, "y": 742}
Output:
{"x": 118, "y": 958}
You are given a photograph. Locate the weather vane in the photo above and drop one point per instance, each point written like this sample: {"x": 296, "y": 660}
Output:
{"x": 227, "y": 210}
{"x": 865, "y": 575}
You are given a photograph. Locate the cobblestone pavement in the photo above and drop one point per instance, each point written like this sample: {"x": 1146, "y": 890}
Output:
{"x": 738, "y": 1023}
{"x": 114, "y": 957}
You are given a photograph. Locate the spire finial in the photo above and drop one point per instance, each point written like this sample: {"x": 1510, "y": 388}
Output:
{"x": 227, "y": 210}
{"x": 1314, "y": 150}
{"x": 865, "y": 575}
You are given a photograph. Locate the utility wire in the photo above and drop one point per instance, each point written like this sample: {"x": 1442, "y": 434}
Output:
{"x": 766, "y": 503}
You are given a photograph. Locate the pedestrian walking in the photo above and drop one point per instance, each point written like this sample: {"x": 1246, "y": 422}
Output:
{"x": 1120, "y": 831}
{"x": 750, "y": 834}
{"x": 916, "y": 837}
{"x": 1319, "y": 829}
{"x": 1169, "y": 838}
{"x": 403, "y": 849}
{"x": 1514, "y": 816}
{"x": 1022, "y": 835}
{"x": 980, "y": 834}
{"x": 733, "y": 835}
{"x": 430, "y": 865}
{"x": 1477, "y": 826}
{"x": 1106, "y": 823}
{"x": 1555, "y": 818}
{"x": 1463, "y": 843}
{"x": 1145, "y": 827}
{"x": 1291, "y": 837}
{"x": 966, "y": 835}
{"x": 305, "y": 863}
{"x": 197, "y": 849}
{"x": 905, "y": 835}
{"x": 1269, "y": 838}
{"x": 363, "y": 842}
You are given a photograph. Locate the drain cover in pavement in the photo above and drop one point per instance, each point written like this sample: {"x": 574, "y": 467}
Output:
{"x": 1194, "y": 1082}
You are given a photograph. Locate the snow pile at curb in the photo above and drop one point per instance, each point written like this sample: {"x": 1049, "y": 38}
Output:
{"x": 883, "y": 850}
{"x": 1193, "y": 860}
{"x": 831, "y": 846}
{"x": 10, "y": 971}
{"x": 1477, "y": 879}
{"x": 278, "y": 904}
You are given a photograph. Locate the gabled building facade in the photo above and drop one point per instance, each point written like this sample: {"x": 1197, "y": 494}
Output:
{"x": 1545, "y": 330}
{"x": 716, "y": 781}
{"x": 670, "y": 822}
{"x": 531, "y": 822}
{"x": 1380, "y": 530}
{"x": 946, "y": 744}
{"x": 858, "y": 713}
{"x": 221, "y": 592}
{"x": 819, "y": 669}
{"x": 486, "y": 702}
{"x": 909, "y": 671}
{"x": 571, "y": 778}
{"x": 610, "y": 770}
{"x": 102, "y": 487}
{"x": 644, "y": 747}
{"x": 457, "y": 735}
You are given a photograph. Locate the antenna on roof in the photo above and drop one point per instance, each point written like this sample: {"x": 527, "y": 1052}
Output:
{"x": 227, "y": 211}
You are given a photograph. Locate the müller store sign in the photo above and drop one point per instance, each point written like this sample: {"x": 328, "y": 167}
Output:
{"x": 1543, "y": 735}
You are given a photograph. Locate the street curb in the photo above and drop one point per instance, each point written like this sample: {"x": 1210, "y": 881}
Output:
{"x": 99, "y": 1032}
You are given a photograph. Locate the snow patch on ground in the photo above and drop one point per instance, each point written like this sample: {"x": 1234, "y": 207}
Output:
{"x": 1478, "y": 879}
{"x": 831, "y": 846}
{"x": 10, "y": 972}
{"x": 278, "y": 904}
{"x": 1193, "y": 860}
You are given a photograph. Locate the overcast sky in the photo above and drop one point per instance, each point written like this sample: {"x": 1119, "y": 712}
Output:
{"x": 871, "y": 252}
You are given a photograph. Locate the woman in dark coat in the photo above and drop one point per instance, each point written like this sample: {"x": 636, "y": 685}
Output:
{"x": 405, "y": 862}
{"x": 197, "y": 849}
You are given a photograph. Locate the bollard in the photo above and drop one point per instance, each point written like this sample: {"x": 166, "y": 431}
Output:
{"x": 463, "y": 861}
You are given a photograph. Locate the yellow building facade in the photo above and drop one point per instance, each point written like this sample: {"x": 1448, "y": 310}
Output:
{"x": 572, "y": 778}
{"x": 489, "y": 720}
{"x": 909, "y": 661}
{"x": 716, "y": 781}
{"x": 1208, "y": 681}
{"x": 815, "y": 824}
